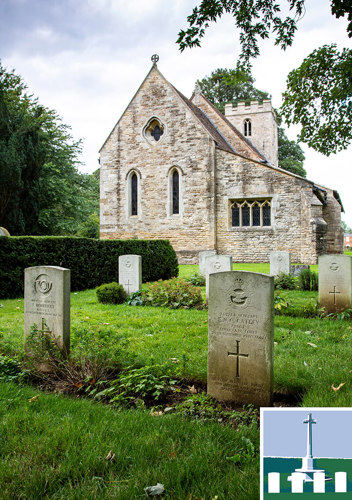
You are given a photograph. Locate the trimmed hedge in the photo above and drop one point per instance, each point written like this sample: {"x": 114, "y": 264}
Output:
{"x": 92, "y": 262}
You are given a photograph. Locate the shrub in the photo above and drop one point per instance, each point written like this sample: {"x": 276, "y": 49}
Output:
{"x": 196, "y": 279}
{"x": 174, "y": 293}
{"x": 308, "y": 280}
{"x": 10, "y": 369}
{"x": 92, "y": 262}
{"x": 285, "y": 282}
{"x": 111, "y": 293}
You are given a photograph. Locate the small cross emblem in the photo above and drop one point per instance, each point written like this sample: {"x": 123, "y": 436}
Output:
{"x": 128, "y": 284}
{"x": 45, "y": 328}
{"x": 334, "y": 292}
{"x": 155, "y": 58}
{"x": 237, "y": 354}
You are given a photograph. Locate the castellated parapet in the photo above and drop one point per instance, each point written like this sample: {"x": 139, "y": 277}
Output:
{"x": 257, "y": 122}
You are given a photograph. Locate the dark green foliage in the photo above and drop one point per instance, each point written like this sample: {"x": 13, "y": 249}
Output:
{"x": 92, "y": 262}
{"x": 10, "y": 369}
{"x": 308, "y": 280}
{"x": 174, "y": 293}
{"x": 197, "y": 279}
{"x": 318, "y": 96}
{"x": 111, "y": 293}
{"x": 285, "y": 282}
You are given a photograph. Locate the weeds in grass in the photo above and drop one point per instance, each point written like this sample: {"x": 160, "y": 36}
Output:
{"x": 196, "y": 279}
{"x": 11, "y": 370}
{"x": 308, "y": 280}
{"x": 285, "y": 282}
{"x": 175, "y": 293}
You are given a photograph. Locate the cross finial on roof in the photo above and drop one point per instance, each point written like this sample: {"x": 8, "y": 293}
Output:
{"x": 155, "y": 59}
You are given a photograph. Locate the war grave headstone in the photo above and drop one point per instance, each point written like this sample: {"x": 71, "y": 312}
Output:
{"x": 241, "y": 337}
{"x": 216, "y": 264}
{"x": 335, "y": 282}
{"x": 47, "y": 303}
{"x": 201, "y": 259}
{"x": 130, "y": 272}
{"x": 280, "y": 263}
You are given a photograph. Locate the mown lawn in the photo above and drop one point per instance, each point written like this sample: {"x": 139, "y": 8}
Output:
{"x": 55, "y": 447}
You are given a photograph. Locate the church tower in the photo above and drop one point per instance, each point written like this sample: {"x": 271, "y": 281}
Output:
{"x": 257, "y": 122}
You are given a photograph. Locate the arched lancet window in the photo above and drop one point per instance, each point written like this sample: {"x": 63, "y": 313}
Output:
{"x": 247, "y": 127}
{"x": 134, "y": 194}
{"x": 175, "y": 192}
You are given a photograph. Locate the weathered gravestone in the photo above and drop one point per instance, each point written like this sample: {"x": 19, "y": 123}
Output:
{"x": 216, "y": 264}
{"x": 241, "y": 337}
{"x": 335, "y": 282}
{"x": 280, "y": 263}
{"x": 201, "y": 259}
{"x": 130, "y": 272}
{"x": 47, "y": 303}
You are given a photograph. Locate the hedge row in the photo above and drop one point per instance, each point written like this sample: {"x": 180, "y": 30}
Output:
{"x": 92, "y": 262}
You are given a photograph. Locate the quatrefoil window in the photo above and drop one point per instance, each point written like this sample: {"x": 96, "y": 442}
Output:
{"x": 153, "y": 131}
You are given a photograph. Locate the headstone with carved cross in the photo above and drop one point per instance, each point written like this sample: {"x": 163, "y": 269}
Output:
{"x": 241, "y": 337}
{"x": 130, "y": 272}
{"x": 215, "y": 264}
{"x": 280, "y": 262}
{"x": 47, "y": 303}
{"x": 335, "y": 282}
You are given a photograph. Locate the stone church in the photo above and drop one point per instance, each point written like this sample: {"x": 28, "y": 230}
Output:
{"x": 177, "y": 169}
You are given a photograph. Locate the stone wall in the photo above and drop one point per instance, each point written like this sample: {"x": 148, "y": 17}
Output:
{"x": 293, "y": 228}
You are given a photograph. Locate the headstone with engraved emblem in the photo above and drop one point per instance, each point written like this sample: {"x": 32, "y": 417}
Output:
{"x": 216, "y": 264}
{"x": 47, "y": 303}
{"x": 130, "y": 272}
{"x": 280, "y": 263}
{"x": 335, "y": 282}
{"x": 241, "y": 337}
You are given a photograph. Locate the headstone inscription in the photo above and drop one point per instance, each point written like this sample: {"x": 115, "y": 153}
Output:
{"x": 280, "y": 263}
{"x": 216, "y": 264}
{"x": 47, "y": 303}
{"x": 201, "y": 259}
{"x": 130, "y": 272}
{"x": 241, "y": 337}
{"x": 335, "y": 282}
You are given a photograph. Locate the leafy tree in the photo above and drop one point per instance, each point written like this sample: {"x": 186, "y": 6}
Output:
{"x": 319, "y": 97}
{"x": 325, "y": 124}
{"x": 234, "y": 85}
{"x": 345, "y": 227}
{"x": 41, "y": 189}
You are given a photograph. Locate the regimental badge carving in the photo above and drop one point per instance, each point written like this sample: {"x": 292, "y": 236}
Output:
{"x": 279, "y": 258}
{"x": 217, "y": 265}
{"x": 238, "y": 294}
{"x": 128, "y": 263}
{"x": 42, "y": 284}
{"x": 334, "y": 266}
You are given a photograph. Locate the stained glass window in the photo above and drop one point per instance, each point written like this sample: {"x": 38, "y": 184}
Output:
{"x": 235, "y": 215}
{"x": 256, "y": 215}
{"x": 245, "y": 216}
{"x": 134, "y": 194}
{"x": 175, "y": 193}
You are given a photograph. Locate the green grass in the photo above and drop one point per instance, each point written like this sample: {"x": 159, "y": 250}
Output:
{"x": 55, "y": 447}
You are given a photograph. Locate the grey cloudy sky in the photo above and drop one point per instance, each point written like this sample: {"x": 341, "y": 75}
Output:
{"x": 86, "y": 59}
{"x": 285, "y": 435}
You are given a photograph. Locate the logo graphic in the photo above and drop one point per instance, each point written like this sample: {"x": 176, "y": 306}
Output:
{"x": 43, "y": 285}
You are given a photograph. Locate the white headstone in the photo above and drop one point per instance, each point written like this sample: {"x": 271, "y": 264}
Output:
{"x": 274, "y": 482}
{"x": 241, "y": 337}
{"x": 47, "y": 303}
{"x": 201, "y": 259}
{"x": 297, "y": 482}
{"x": 130, "y": 272}
{"x": 335, "y": 282}
{"x": 216, "y": 264}
{"x": 340, "y": 482}
{"x": 319, "y": 482}
{"x": 280, "y": 263}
